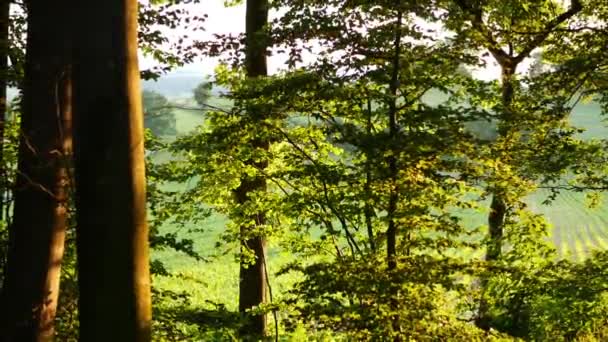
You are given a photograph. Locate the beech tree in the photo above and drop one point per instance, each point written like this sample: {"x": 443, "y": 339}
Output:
{"x": 31, "y": 284}
{"x": 112, "y": 232}
{"x": 375, "y": 166}
{"x": 509, "y": 47}
{"x": 534, "y": 143}
{"x": 252, "y": 275}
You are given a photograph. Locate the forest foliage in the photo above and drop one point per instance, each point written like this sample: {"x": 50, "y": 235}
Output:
{"x": 363, "y": 159}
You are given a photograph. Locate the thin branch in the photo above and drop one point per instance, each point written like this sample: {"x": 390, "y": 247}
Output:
{"x": 415, "y": 98}
{"x": 603, "y": 30}
{"x": 202, "y": 108}
{"x": 274, "y": 310}
{"x": 477, "y": 22}
{"x": 577, "y": 188}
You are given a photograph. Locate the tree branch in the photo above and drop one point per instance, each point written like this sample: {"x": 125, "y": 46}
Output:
{"x": 477, "y": 21}
{"x": 501, "y": 56}
{"x": 575, "y": 7}
{"x": 203, "y": 107}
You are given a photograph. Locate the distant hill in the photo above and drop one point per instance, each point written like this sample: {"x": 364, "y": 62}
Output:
{"x": 177, "y": 84}
{"x": 173, "y": 85}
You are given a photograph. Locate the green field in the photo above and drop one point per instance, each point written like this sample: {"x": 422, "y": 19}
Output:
{"x": 577, "y": 230}
{"x": 212, "y": 284}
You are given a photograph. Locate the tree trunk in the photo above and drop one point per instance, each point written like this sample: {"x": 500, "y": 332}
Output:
{"x": 4, "y": 22}
{"x": 37, "y": 234}
{"x": 496, "y": 218}
{"x": 393, "y": 170}
{"x": 112, "y": 232}
{"x": 368, "y": 211}
{"x": 498, "y": 206}
{"x": 391, "y": 232}
{"x": 252, "y": 286}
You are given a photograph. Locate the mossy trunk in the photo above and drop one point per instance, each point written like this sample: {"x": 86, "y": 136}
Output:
{"x": 37, "y": 234}
{"x": 112, "y": 232}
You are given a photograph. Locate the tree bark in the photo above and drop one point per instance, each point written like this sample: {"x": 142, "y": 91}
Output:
{"x": 37, "y": 234}
{"x": 368, "y": 211}
{"x": 252, "y": 286}
{"x": 391, "y": 232}
{"x": 112, "y": 232}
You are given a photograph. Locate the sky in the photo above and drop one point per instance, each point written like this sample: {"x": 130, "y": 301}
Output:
{"x": 222, "y": 19}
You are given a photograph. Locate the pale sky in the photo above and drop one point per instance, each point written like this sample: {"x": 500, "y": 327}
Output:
{"x": 223, "y": 19}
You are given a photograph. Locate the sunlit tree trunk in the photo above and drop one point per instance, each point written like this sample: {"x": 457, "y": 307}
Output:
{"x": 368, "y": 211}
{"x": 112, "y": 232}
{"x": 252, "y": 287}
{"x": 37, "y": 234}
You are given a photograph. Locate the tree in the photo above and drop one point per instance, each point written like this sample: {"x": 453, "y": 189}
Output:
{"x": 158, "y": 117}
{"x": 37, "y": 234}
{"x": 534, "y": 142}
{"x": 202, "y": 93}
{"x": 232, "y": 152}
{"x": 376, "y": 167}
{"x": 509, "y": 60}
{"x": 252, "y": 275}
{"x": 112, "y": 232}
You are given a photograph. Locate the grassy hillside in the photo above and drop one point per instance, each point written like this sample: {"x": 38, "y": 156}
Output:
{"x": 577, "y": 228}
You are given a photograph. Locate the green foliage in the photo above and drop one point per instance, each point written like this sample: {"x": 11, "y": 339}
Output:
{"x": 557, "y": 301}
{"x": 7, "y": 179}
{"x": 159, "y": 38}
{"x": 357, "y": 149}
{"x": 358, "y": 300}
